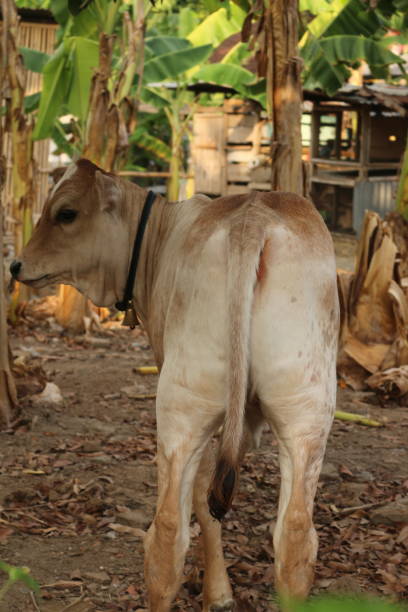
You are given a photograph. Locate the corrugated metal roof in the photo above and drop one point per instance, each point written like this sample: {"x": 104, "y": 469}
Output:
{"x": 380, "y": 95}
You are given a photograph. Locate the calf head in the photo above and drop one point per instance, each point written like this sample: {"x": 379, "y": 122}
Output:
{"x": 81, "y": 238}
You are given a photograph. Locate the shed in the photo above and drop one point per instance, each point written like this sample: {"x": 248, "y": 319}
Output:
{"x": 358, "y": 138}
{"x": 353, "y": 143}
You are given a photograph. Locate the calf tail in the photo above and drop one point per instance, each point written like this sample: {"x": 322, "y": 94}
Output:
{"x": 245, "y": 246}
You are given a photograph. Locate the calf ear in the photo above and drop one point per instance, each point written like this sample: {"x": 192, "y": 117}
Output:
{"x": 56, "y": 174}
{"x": 108, "y": 191}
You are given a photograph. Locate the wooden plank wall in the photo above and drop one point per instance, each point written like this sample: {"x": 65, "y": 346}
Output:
{"x": 209, "y": 151}
{"x": 231, "y": 149}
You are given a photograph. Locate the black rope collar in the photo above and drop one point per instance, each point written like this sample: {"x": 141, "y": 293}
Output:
{"x": 126, "y": 304}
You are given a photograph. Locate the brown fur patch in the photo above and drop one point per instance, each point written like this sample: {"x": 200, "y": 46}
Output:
{"x": 261, "y": 270}
{"x": 222, "y": 489}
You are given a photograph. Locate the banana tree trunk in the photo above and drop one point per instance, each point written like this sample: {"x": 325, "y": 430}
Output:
{"x": 8, "y": 396}
{"x": 173, "y": 183}
{"x": 402, "y": 195}
{"x": 284, "y": 94}
{"x": 23, "y": 166}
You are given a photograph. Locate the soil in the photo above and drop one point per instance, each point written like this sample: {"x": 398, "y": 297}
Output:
{"x": 78, "y": 486}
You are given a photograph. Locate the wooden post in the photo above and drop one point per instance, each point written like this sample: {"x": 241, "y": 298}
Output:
{"x": 315, "y": 132}
{"x": 365, "y": 146}
{"x": 284, "y": 94}
{"x": 339, "y": 120}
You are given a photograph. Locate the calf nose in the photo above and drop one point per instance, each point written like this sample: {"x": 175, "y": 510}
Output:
{"x": 15, "y": 268}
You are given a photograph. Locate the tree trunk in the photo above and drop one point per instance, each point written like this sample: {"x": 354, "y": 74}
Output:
{"x": 8, "y": 396}
{"x": 284, "y": 93}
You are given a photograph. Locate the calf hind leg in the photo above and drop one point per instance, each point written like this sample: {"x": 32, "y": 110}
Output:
{"x": 217, "y": 588}
{"x": 301, "y": 452}
{"x": 184, "y": 428}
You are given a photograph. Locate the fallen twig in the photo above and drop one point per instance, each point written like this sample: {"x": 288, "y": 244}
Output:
{"x": 34, "y": 602}
{"x": 63, "y": 584}
{"x": 351, "y": 509}
{"x": 144, "y": 396}
{"x": 147, "y": 370}
{"x": 135, "y": 531}
{"x": 356, "y": 418}
{"x": 74, "y": 603}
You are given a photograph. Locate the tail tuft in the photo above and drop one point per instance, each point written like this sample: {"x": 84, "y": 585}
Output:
{"x": 222, "y": 489}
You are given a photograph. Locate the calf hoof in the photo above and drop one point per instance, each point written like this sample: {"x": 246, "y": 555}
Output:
{"x": 225, "y": 606}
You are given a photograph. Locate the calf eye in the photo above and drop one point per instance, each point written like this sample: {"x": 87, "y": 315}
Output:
{"x": 66, "y": 215}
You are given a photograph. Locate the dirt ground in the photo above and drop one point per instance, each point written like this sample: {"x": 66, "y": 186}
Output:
{"x": 78, "y": 486}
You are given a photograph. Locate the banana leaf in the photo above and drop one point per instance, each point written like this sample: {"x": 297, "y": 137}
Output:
{"x": 351, "y": 49}
{"x": 188, "y": 20}
{"x": 84, "y": 56}
{"x": 237, "y": 55}
{"x": 63, "y": 145}
{"x": 144, "y": 140}
{"x": 66, "y": 81}
{"x": 227, "y": 75}
{"x": 32, "y": 102}
{"x": 170, "y": 65}
{"x": 56, "y": 77}
{"x": 337, "y": 17}
{"x": 158, "y": 97}
{"x": 218, "y": 26}
{"x": 160, "y": 45}
{"x": 34, "y": 60}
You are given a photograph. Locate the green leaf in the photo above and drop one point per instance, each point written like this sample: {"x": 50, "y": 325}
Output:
{"x": 160, "y": 45}
{"x": 218, "y": 26}
{"x": 19, "y": 573}
{"x": 56, "y": 78}
{"x": 356, "y": 19}
{"x": 346, "y": 604}
{"x": 59, "y": 9}
{"x": 76, "y": 6}
{"x": 159, "y": 98}
{"x": 150, "y": 143}
{"x": 327, "y": 14}
{"x": 59, "y": 137}
{"x": 237, "y": 55}
{"x": 170, "y": 65}
{"x": 84, "y": 56}
{"x": 256, "y": 91}
{"x": 339, "y": 16}
{"x": 320, "y": 73}
{"x": 32, "y": 102}
{"x": 34, "y": 60}
{"x": 351, "y": 49}
{"x": 228, "y": 75}
{"x": 187, "y": 21}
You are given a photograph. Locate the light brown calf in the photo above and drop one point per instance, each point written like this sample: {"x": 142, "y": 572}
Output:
{"x": 238, "y": 296}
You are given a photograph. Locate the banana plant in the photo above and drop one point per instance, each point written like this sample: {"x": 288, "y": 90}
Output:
{"x": 172, "y": 63}
{"x": 343, "y": 33}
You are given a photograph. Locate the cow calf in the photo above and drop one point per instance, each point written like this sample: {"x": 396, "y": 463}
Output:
{"x": 238, "y": 297}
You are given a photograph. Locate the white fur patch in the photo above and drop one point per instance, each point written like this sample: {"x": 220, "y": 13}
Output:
{"x": 66, "y": 176}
